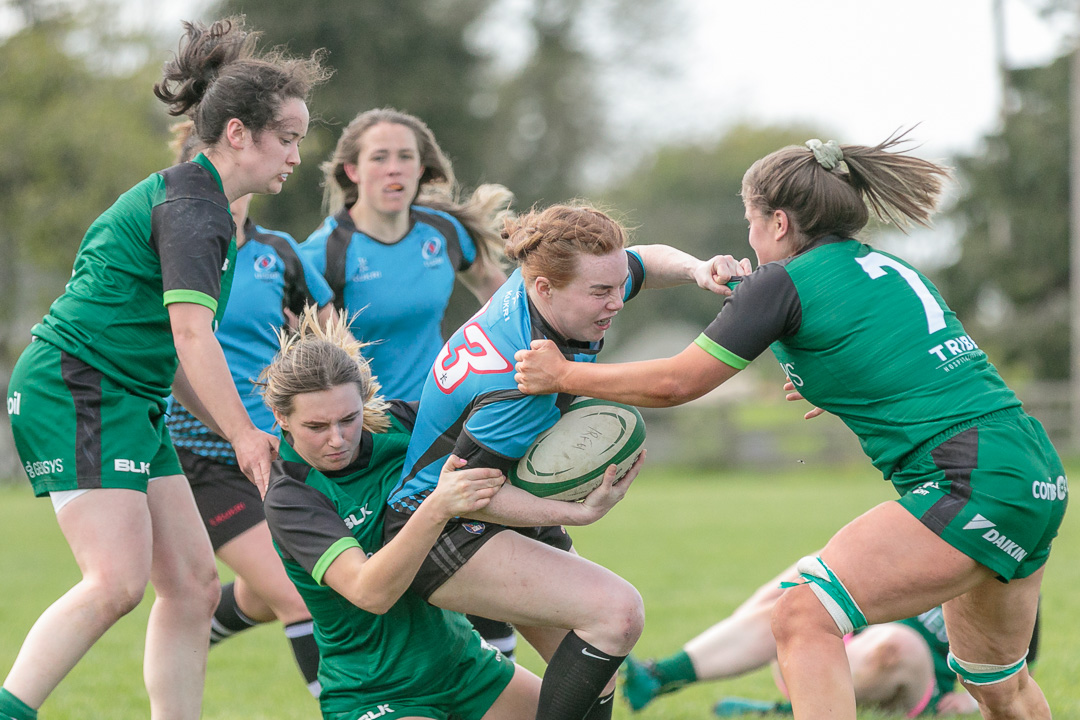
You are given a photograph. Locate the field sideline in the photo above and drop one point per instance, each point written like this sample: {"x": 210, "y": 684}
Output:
{"x": 695, "y": 544}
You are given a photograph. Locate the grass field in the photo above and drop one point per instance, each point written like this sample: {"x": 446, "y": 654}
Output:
{"x": 694, "y": 544}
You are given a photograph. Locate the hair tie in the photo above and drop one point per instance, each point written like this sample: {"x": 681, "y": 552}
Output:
{"x": 828, "y": 155}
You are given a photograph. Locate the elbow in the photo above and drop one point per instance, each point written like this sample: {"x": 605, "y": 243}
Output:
{"x": 376, "y": 604}
{"x": 671, "y": 391}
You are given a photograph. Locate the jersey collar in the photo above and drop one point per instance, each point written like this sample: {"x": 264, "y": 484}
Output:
{"x": 201, "y": 159}
{"x": 569, "y": 348}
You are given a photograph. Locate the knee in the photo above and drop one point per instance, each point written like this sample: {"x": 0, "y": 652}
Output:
{"x": 623, "y": 613}
{"x": 797, "y": 612}
{"x": 116, "y": 597}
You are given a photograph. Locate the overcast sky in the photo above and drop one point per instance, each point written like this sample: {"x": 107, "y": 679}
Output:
{"x": 860, "y": 68}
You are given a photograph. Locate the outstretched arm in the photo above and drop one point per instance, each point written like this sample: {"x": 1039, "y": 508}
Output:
{"x": 666, "y": 266}
{"x": 376, "y": 583}
{"x": 206, "y": 376}
{"x": 649, "y": 383}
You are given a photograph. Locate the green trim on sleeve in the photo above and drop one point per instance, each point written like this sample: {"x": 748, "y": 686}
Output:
{"x": 720, "y": 352}
{"x": 331, "y": 555}
{"x": 190, "y": 296}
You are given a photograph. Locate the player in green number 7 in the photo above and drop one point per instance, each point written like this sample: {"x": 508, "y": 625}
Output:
{"x": 865, "y": 336}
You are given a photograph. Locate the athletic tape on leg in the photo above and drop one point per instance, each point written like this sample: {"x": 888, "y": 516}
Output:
{"x": 982, "y": 673}
{"x": 831, "y": 592}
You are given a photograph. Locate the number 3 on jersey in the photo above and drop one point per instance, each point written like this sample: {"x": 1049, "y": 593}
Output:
{"x": 874, "y": 264}
{"x": 477, "y": 354}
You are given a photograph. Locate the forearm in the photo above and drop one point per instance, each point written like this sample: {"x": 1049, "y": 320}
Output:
{"x": 210, "y": 383}
{"x": 514, "y": 507}
{"x": 186, "y": 396}
{"x": 647, "y": 383}
{"x": 666, "y": 266}
{"x": 382, "y": 579}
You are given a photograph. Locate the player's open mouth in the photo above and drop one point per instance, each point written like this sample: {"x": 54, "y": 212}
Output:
{"x": 395, "y": 188}
{"x": 604, "y": 324}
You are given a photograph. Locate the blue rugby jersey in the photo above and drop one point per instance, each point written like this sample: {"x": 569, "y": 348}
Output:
{"x": 400, "y": 289}
{"x": 471, "y": 405}
{"x": 270, "y": 275}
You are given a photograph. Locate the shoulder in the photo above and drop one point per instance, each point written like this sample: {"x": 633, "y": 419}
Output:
{"x": 319, "y": 236}
{"x": 442, "y": 222}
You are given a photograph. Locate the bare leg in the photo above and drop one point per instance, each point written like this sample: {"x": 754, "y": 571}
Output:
{"x": 992, "y": 624}
{"x": 743, "y": 641}
{"x": 263, "y": 589}
{"x": 518, "y": 701}
{"x": 109, "y": 533}
{"x": 889, "y": 580}
{"x": 186, "y": 584}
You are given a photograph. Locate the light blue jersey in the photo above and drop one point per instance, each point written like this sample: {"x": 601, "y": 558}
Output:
{"x": 471, "y": 405}
{"x": 270, "y": 275}
{"x": 400, "y": 289}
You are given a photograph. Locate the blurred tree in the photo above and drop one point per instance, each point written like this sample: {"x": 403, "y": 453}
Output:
{"x": 688, "y": 197}
{"x": 80, "y": 126}
{"x": 1011, "y": 283}
{"x": 533, "y": 121}
{"x": 409, "y": 54}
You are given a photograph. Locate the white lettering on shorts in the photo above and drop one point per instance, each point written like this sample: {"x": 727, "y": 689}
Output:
{"x": 1007, "y": 546}
{"x": 978, "y": 523}
{"x": 378, "y": 712}
{"x": 1050, "y": 489}
{"x": 43, "y": 467}
{"x": 131, "y": 466}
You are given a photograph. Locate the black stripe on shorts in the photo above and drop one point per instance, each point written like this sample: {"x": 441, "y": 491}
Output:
{"x": 957, "y": 457}
{"x": 84, "y": 383}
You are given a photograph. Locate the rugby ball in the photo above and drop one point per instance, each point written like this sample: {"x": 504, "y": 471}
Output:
{"x": 568, "y": 460}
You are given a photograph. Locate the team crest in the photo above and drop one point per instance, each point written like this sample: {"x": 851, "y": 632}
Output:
{"x": 266, "y": 266}
{"x": 476, "y": 528}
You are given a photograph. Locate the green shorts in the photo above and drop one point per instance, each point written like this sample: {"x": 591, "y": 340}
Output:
{"x": 994, "y": 489}
{"x": 76, "y": 429}
{"x": 462, "y": 691}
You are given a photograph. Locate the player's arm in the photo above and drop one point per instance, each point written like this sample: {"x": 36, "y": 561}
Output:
{"x": 185, "y": 395}
{"x": 207, "y": 375}
{"x": 666, "y": 266}
{"x": 376, "y": 583}
{"x": 650, "y": 383}
{"x": 514, "y": 507}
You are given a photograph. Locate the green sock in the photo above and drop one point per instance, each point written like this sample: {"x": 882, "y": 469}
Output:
{"x": 14, "y": 708}
{"x": 675, "y": 671}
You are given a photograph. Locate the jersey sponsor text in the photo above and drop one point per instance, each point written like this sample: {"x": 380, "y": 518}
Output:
{"x": 377, "y": 712}
{"x": 13, "y": 403}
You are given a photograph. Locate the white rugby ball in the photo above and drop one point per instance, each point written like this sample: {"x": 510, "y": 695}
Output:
{"x": 568, "y": 460}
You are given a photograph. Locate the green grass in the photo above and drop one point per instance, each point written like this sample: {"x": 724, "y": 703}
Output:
{"x": 695, "y": 544}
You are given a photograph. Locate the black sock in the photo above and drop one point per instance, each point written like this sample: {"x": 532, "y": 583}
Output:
{"x": 601, "y": 709}
{"x": 302, "y": 638}
{"x": 228, "y": 619}
{"x": 498, "y": 633}
{"x": 574, "y": 679}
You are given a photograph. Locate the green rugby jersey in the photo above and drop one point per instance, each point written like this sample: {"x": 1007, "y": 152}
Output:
{"x": 313, "y": 518}
{"x": 865, "y": 336}
{"x": 171, "y": 238}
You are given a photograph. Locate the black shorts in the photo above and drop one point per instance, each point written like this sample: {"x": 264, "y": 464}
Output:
{"x": 228, "y": 502}
{"x": 459, "y": 541}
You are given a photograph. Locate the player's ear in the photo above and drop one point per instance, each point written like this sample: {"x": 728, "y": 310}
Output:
{"x": 780, "y": 223}
{"x": 542, "y": 286}
{"x": 282, "y": 421}
{"x": 352, "y": 173}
